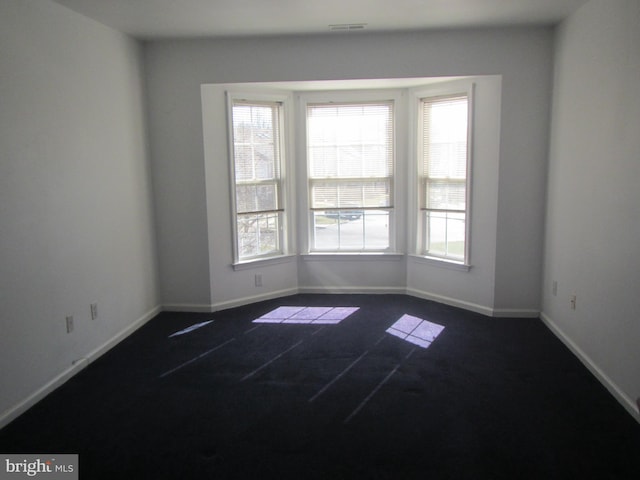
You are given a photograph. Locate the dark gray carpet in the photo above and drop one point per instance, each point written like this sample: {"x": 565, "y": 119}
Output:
{"x": 489, "y": 399}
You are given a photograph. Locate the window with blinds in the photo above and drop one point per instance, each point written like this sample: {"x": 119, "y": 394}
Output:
{"x": 444, "y": 163}
{"x": 257, "y": 159}
{"x": 350, "y": 151}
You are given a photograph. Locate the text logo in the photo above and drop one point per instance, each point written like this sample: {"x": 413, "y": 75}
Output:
{"x": 50, "y": 466}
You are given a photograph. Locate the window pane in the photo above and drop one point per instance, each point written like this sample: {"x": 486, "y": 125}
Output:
{"x": 455, "y": 235}
{"x": 323, "y": 161}
{"x": 447, "y": 160}
{"x": 243, "y": 162}
{"x": 254, "y": 198}
{"x": 258, "y": 234}
{"x": 350, "y": 161}
{"x": 361, "y": 136}
{"x": 324, "y": 195}
{"x": 255, "y": 141}
{"x": 265, "y": 162}
{"x": 436, "y": 233}
{"x": 376, "y": 227}
{"x": 253, "y": 123}
{"x": 267, "y": 197}
{"x": 321, "y": 128}
{"x": 338, "y": 230}
{"x": 245, "y": 198}
{"x": 351, "y": 230}
{"x": 446, "y": 234}
{"x": 376, "y": 164}
{"x": 326, "y": 227}
{"x": 242, "y": 126}
{"x": 376, "y": 194}
{"x": 350, "y": 194}
{"x": 444, "y": 195}
{"x": 445, "y": 137}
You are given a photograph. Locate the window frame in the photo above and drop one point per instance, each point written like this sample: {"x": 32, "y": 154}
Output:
{"x": 341, "y": 97}
{"x": 419, "y": 235}
{"x": 281, "y": 102}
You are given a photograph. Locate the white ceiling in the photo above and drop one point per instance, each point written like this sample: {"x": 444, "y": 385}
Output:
{"x": 152, "y": 19}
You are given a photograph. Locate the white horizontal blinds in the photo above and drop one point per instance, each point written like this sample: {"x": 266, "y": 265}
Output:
{"x": 350, "y": 151}
{"x": 444, "y": 153}
{"x": 256, "y": 147}
{"x": 257, "y": 159}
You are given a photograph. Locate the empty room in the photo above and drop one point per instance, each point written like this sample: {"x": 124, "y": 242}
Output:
{"x": 350, "y": 240}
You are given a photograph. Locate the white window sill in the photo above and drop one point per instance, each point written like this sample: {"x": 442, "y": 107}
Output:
{"x": 352, "y": 256}
{"x": 263, "y": 262}
{"x": 440, "y": 262}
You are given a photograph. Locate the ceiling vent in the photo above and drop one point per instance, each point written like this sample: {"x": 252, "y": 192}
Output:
{"x": 347, "y": 27}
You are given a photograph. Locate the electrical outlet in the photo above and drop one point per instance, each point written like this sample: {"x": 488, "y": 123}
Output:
{"x": 554, "y": 288}
{"x": 69, "y": 324}
{"x": 258, "y": 279}
{"x": 572, "y": 301}
{"x": 94, "y": 311}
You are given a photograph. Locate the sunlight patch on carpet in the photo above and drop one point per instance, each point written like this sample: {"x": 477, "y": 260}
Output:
{"x": 190, "y": 329}
{"x": 415, "y": 330}
{"x": 307, "y": 315}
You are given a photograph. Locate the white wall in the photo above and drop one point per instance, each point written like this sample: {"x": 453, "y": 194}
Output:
{"x": 593, "y": 213}
{"x": 523, "y": 57}
{"x": 75, "y": 200}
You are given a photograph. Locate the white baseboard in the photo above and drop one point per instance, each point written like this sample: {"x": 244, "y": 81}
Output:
{"x": 187, "y": 307}
{"x": 454, "y": 302}
{"x": 78, "y": 365}
{"x": 238, "y": 302}
{"x": 475, "y": 307}
{"x": 515, "y": 313}
{"x": 499, "y": 312}
{"x": 602, "y": 377}
{"x": 353, "y": 290}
